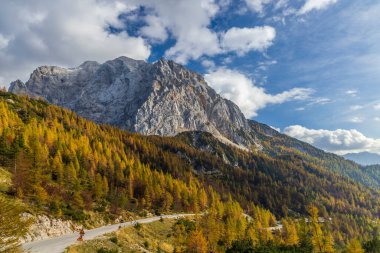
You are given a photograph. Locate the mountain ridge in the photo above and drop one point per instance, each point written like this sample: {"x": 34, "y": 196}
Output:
{"x": 364, "y": 158}
{"x": 161, "y": 98}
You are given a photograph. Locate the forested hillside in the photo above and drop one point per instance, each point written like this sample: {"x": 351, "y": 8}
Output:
{"x": 276, "y": 144}
{"x": 64, "y": 165}
{"x": 69, "y": 164}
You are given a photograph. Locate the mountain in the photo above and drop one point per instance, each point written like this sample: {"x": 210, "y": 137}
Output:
{"x": 279, "y": 145}
{"x": 164, "y": 98}
{"x": 363, "y": 158}
{"x": 161, "y": 98}
{"x": 178, "y": 158}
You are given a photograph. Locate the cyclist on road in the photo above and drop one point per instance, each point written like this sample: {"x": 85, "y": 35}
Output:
{"x": 81, "y": 234}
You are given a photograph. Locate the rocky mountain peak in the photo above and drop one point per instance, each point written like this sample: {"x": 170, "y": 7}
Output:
{"x": 160, "y": 98}
{"x": 17, "y": 87}
{"x": 89, "y": 65}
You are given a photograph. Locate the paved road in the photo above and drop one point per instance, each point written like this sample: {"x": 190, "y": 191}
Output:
{"x": 58, "y": 244}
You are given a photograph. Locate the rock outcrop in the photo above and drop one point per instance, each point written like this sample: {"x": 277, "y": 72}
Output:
{"x": 44, "y": 227}
{"x": 161, "y": 98}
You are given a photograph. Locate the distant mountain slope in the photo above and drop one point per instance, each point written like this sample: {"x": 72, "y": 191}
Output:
{"x": 277, "y": 144}
{"x": 373, "y": 171}
{"x": 165, "y": 98}
{"x": 364, "y": 158}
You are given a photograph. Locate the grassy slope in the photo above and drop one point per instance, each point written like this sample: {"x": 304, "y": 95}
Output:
{"x": 151, "y": 237}
{"x": 5, "y": 180}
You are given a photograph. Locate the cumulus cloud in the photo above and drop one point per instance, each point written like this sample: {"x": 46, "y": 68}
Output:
{"x": 243, "y": 40}
{"x": 188, "y": 22}
{"x": 155, "y": 29}
{"x": 257, "y": 5}
{"x": 315, "y": 5}
{"x": 235, "y": 86}
{"x": 66, "y": 33}
{"x": 62, "y": 32}
{"x": 339, "y": 141}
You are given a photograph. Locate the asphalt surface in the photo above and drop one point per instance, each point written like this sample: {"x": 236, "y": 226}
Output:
{"x": 58, "y": 244}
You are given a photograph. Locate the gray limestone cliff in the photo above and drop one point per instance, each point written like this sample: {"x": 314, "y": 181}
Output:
{"x": 161, "y": 98}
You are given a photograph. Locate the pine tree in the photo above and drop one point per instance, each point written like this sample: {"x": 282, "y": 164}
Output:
{"x": 196, "y": 242}
{"x": 251, "y": 234}
{"x": 290, "y": 232}
{"x": 202, "y": 196}
{"x": 328, "y": 244}
{"x": 99, "y": 186}
{"x": 354, "y": 246}
{"x": 57, "y": 168}
{"x": 12, "y": 225}
{"x": 316, "y": 231}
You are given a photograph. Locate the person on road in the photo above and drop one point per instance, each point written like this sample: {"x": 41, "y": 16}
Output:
{"x": 81, "y": 234}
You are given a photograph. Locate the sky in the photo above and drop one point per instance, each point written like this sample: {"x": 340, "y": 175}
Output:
{"x": 309, "y": 68}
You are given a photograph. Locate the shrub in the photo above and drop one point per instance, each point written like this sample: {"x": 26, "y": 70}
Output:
{"x": 105, "y": 250}
{"x": 137, "y": 226}
{"x": 113, "y": 239}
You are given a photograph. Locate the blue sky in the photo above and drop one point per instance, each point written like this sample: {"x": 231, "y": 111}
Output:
{"x": 308, "y": 67}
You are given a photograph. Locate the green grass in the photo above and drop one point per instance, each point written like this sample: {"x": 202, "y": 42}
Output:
{"x": 152, "y": 237}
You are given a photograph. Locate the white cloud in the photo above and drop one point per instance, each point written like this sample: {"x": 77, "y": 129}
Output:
{"x": 320, "y": 101}
{"x": 235, "y": 86}
{"x": 257, "y": 5}
{"x": 194, "y": 44}
{"x": 66, "y": 33}
{"x": 376, "y": 106}
{"x": 208, "y": 64}
{"x": 155, "y": 29}
{"x": 187, "y": 22}
{"x": 280, "y": 4}
{"x": 352, "y": 93}
{"x": 339, "y": 141}
{"x": 243, "y": 40}
{"x": 62, "y": 32}
{"x": 3, "y": 41}
{"x": 376, "y": 119}
{"x": 315, "y": 5}
{"x": 356, "y": 107}
{"x": 276, "y": 128}
{"x": 356, "y": 119}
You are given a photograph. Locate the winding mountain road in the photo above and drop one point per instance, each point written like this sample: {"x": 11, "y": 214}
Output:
{"x": 58, "y": 244}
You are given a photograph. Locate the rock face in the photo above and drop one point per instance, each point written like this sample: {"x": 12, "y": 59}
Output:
{"x": 161, "y": 98}
{"x": 45, "y": 227}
